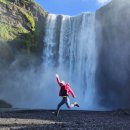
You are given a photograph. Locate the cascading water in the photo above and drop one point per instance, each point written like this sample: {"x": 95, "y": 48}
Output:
{"x": 70, "y": 50}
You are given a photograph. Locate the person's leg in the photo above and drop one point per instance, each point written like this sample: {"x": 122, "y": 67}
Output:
{"x": 67, "y": 102}
{"x": 59, "y": 105}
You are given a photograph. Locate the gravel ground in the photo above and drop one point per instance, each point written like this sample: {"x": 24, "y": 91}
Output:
{"x": 67, "y": 120}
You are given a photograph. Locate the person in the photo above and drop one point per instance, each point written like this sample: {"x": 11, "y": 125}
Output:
{"x": 65, "y": 91}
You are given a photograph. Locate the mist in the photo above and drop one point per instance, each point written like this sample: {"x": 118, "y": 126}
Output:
{"x": 113, "y": 70}
{"x": 33, "y": 87}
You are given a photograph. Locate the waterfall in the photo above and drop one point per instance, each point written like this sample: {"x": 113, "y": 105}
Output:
{"x": 70, "y": 50}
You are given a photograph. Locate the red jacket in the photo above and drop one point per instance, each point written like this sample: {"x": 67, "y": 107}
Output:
{"x": 67, "y": 86}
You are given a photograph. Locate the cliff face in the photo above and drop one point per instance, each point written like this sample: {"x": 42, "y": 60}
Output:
{"x": 113, "y": 37}
{"x": 21, "y": 27}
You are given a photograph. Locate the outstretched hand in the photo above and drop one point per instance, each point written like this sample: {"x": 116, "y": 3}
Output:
{"x": 57, "y": 76}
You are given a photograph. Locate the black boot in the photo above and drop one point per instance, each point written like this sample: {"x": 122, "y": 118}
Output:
{"x": 76, "y": 104}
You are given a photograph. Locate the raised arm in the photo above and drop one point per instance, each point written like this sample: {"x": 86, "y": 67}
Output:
{"x": 58, "y": 79}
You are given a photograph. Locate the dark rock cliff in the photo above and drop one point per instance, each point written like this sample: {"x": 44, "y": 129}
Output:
{"x": 113, "y": 37}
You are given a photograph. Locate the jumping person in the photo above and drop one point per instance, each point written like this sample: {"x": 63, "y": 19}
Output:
{"x": 65, "y": 90}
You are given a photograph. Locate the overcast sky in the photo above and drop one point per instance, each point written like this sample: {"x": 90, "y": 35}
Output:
{"x": 71, "y": 7}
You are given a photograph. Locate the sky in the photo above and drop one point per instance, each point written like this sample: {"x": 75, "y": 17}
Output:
{"x": 71, "y": 7}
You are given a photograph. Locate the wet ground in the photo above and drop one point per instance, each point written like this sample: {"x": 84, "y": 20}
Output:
{"x": 67, "y": 120}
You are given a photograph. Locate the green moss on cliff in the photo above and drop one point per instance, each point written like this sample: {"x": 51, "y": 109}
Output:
{"x": 29, "y": 18}
{"x": 4, "y": 1}
{"x": 22, "y": 30}
{"x": 7, "y": 32}
{"x": 29, "y": 42}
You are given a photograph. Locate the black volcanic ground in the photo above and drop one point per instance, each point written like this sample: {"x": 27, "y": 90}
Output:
{"x": 67, "y": 120}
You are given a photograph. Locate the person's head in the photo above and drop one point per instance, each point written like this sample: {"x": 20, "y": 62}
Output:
{"x": 63, "y": 82}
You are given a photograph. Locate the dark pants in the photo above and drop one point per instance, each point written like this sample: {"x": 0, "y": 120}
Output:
{"x": 65, "y": 100}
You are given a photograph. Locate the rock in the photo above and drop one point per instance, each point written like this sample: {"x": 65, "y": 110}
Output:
{"x": 124, "y": 112}
{"x": 28, "y": 120}
{"x": 4, "y": 104}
